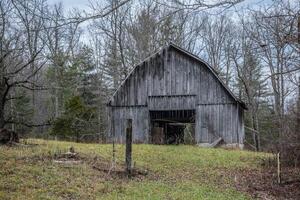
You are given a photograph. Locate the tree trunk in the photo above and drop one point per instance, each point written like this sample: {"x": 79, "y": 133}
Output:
{"x": 8, "y": 137}
{"x": 2, "y": 123}
{"x": 255, "y": 135}
{"x": 256, "y": 138}
{"x": 298, "y": 104}
{"x": 77, "y": 137}
{"x": 2, "y": 98}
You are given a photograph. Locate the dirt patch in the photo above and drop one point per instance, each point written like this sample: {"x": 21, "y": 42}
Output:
{"x": 68, "y": 158}
{"x": 261, "y": 184}
{"x": 104, "y": 168}
{"x": 110, "y": 170}
{"x": 116, "y": 170}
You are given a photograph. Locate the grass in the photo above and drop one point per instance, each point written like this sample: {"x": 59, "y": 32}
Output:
{"x": 175, "y": 172}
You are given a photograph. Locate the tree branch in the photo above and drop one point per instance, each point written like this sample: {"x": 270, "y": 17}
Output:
{"x": 26, "y": 64}
{"x": 27, "y": 125}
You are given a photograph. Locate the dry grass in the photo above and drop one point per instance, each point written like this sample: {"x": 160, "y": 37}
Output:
{"x": 163, "y": 172}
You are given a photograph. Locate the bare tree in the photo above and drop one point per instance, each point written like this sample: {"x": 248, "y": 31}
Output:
{"x": 217, "y": 37}
{"x": 252, "y": 87}
{"x": 113, "y": 29}
{"x": 29, "y": 13}
{"x": 196, "y": 6}
{"x": 60, "y": 42}
{"x": 270, "y": 31}
{"x": 16, "y": 56}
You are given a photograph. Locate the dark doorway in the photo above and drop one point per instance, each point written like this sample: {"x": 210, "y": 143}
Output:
{"x": 170, "y": 127}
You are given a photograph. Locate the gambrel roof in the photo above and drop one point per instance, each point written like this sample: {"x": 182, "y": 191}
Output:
{"x": 191, "y": 55}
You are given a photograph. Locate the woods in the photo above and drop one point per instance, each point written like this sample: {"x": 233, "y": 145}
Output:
{"x": 149, "y": 99}
{"x": 59, "y": 67}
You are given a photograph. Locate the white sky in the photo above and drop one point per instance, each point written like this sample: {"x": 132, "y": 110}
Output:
{"x": 69, "y": 4}
{"x": 83, "y": 4}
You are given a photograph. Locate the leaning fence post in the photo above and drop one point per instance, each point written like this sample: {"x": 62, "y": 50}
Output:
{"x": 278, "y": 169}
{"x": 128, "y": 147}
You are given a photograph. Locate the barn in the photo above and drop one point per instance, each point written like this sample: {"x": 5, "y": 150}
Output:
{"x": 172, "y": 91}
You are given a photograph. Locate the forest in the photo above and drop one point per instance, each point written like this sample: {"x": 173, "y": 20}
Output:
{"x": 59, "y": 67}
{"x": 61, "y": 62}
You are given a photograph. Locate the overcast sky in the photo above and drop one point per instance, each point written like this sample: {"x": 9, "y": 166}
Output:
{"x": 83, "y": 4}
{"x": 69, "y": 4}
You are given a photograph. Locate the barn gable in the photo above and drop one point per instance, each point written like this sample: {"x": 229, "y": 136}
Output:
{"x": 173, "y": 60}
{"x": 171, "y": 88}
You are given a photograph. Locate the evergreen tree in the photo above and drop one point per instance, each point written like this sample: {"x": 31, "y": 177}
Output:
{"x": 252, "y": 89}
{"x": 75, "y": 121}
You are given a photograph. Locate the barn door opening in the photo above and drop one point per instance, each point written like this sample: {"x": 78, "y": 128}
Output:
{"x": 173, "y": 126}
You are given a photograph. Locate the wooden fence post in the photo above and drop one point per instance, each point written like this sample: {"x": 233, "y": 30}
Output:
{"x": 278, "y": 169}
{"x": 128, "y": 147}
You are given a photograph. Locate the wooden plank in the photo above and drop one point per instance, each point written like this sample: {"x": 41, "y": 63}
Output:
{"x": 176, "y": 102}
{"x": 216, "y": 142}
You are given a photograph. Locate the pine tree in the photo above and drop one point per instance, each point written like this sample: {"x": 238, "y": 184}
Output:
{"x": 252, "y": 89}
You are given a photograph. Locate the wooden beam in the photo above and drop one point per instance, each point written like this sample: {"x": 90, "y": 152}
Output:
{"x": 278, "y": 169}
{"x": 128, "y": 154}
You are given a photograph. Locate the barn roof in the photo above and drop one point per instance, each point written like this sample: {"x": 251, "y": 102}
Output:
{"x": 195, "y": 57}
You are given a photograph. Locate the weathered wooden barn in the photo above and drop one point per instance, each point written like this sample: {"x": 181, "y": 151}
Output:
{"x": 170, "y": 89}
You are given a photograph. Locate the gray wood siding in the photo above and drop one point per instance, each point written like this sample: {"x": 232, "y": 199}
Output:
{"x": 140, "y": 123}
{"x": 172, "y": 102}
{"x": 174, "y": 74}
{"x": 175, "y": 80}
{"x": 214, "y": 121}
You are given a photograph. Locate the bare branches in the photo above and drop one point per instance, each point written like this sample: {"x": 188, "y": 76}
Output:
{"x": 102, "y": 15}
{"x": 197, "y": 5}
{"x": 79, "y": 18}
{"x": 25, "y": 65}
{"x": 21, "y": 48}
{"x": 282, "y": 73}
{"x": 27, "y": 124}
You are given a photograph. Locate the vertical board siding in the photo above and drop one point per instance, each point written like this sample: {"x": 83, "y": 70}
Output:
{"x": 175, "y": 102}
{"x": 177, "y": 75}
{"x": 140, "y": 126}
{"x": 214, "y": 121}
{"x": 173, "y": 80}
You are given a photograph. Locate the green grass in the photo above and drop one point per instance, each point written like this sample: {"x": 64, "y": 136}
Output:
{"x": 175, "y": 172}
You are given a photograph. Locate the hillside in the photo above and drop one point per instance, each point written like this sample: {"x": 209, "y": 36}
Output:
{"x": 36, "y": 171}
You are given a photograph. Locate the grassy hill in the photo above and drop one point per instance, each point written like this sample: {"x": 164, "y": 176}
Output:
{"x": 168, "y": 172}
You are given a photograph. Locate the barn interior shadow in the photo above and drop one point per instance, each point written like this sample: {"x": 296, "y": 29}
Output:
{"x": 173, "y": 127}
